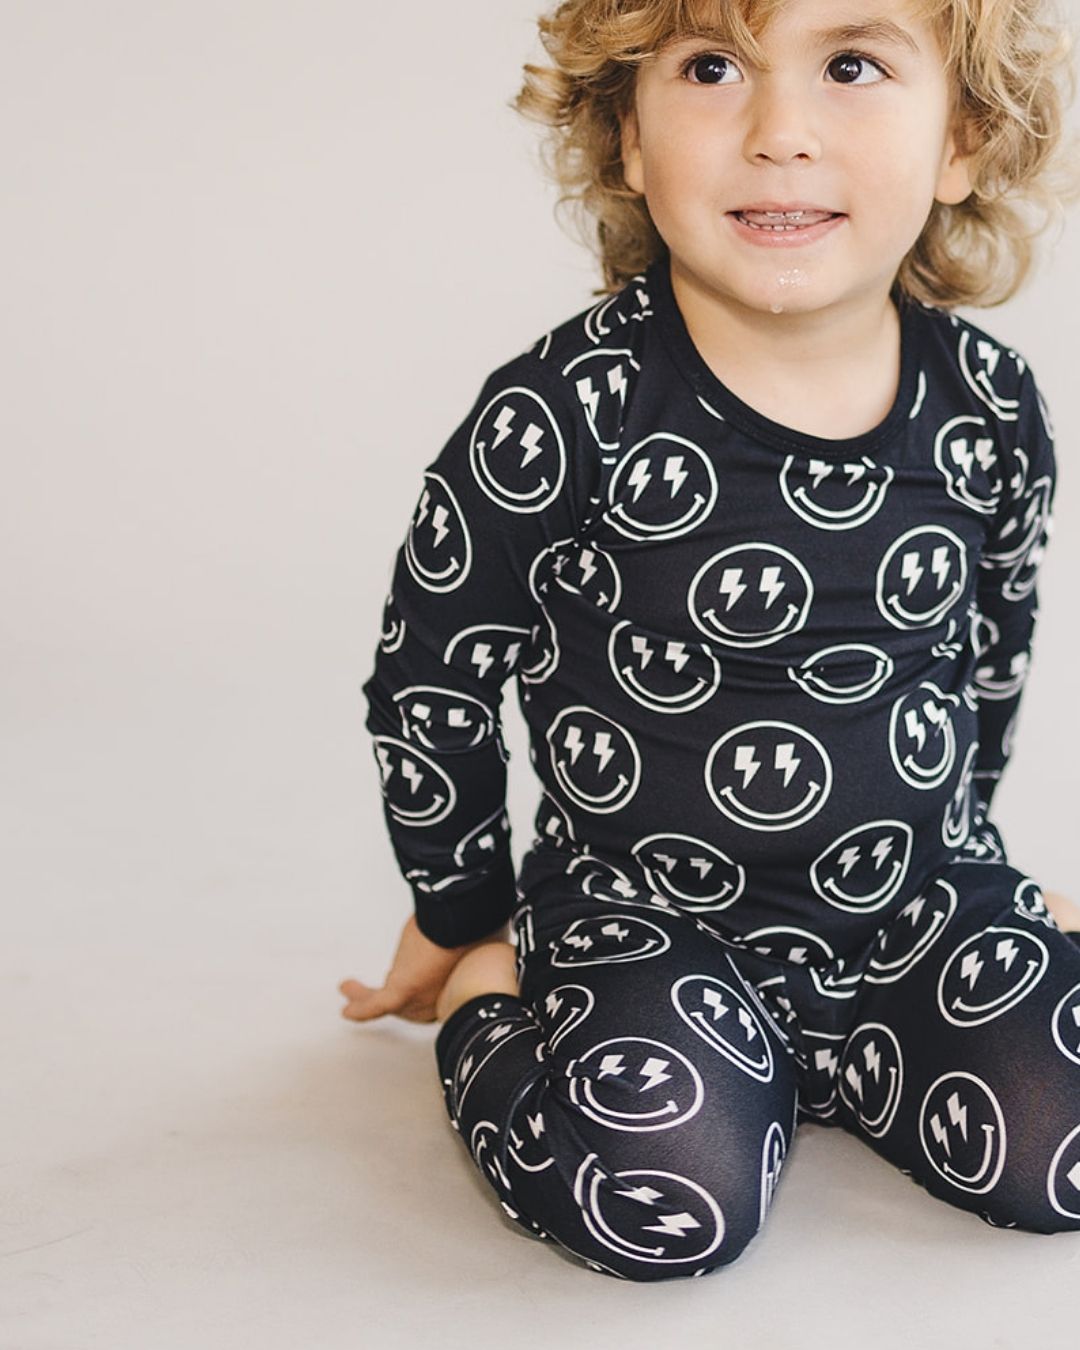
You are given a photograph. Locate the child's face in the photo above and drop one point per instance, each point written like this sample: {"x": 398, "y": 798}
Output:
{"x": 708, "y": 136}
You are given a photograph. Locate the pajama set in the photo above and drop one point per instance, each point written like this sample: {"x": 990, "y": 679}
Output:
{"x": 771, "y": 682}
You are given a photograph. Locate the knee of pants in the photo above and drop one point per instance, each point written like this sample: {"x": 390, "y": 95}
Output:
{"x": 1031, "y": 1202}
{"x": 1038, "y": 1189}
{"x": 646, "y": 1204}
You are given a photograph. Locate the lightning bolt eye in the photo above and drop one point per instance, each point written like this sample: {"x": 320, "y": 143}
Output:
{"x": 617, "y": 381}
{"x": 939, "y": 564}
{"x": 910, "y": 569}
{"x": 589, "y": 395}
{"x": 676, "y": 653}
{"x": 988, "y": 354}
{"x": 817, "y": 470}
{"x": 770, "y": 584}
{"x": 642, "y": 649}
{"x": 439, "y": 525}
{"x": 985, "y": 452}
{"x": 731, "y": 585}
{"x": 639, "y": 477}
{"x": 504, "y": 420}
{"x": 530, "y": 443}
{"x": 674, "y": 473}
{"x": 573, "y": 741}
{"x": 916, "y": 731}
{"x": 962, "y": 454}
{"x": 602, "y": 748}
{"x": 785, "y": 760}
{"x": 881, "y": 850}
{"x": 481, "y": 657}
{"x": 745, "y": 763}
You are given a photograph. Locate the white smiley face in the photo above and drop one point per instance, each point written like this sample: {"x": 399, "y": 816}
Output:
{"x": 417, "y": 791}
{"x": 613, "y": 313}
{"x": 633, "y": 1083}
{"x": 956, "y": 822}
{"x": 921, "y": 576}
{"x": 393, "y": 625}
{"x": 601, "y": 378}
{"x": 595, "y": 760}
{"x": 962, "y": 1131}
{"x": 663, "y": 487}
{"x": 833, "y": 496}
{"x": 486, "y": 647}
{"x": 516, "y": 452}
{"x": 606, "y": 939}
{"x": 922, "y": 737}
{"x": 443, "y": 719}
{"x": 865, "y": 867}
{"x": 750, "y": 595}
{"x": 693, "y": 874}
{"x": 661, "y": 673}
{"x": 990, "y": 973}
{"x": 968, "y": 459}
{"x": 652, "y": 1216}
{"x": 989, "y": 370}
{"x": 911, "y": 933}
{"x": 768, "y": 775}
{"x": 871, "y": 1077}
{"x": 540, "y": 660}
{"x": 438, "y": 546}
{"x": 723, "y": 1015}
{"x": 579, "y": 568}
{"x": 564, "y": 1008}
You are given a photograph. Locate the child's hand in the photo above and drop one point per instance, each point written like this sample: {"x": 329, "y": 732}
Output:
{"x": 419, "y": 970}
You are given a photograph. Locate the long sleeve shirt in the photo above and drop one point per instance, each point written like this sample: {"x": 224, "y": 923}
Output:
{"x": 771, "y": 676}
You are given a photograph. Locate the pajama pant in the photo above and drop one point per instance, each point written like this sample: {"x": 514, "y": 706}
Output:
{"x": 635, "y": 1105}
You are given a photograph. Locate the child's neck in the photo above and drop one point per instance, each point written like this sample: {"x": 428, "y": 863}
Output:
{"x": 833, "y": 376}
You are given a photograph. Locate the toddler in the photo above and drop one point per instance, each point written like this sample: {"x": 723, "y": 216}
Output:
{"x": 757, "y": 533}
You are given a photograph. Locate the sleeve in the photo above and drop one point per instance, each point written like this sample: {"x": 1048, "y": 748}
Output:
{"x": 511, "y": 482}
{"x": 1007, "y": 594}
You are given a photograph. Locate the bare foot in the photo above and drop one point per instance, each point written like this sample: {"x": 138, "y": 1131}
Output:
{"x": 487, "y": 969}
{"x": 1064, "y": 911}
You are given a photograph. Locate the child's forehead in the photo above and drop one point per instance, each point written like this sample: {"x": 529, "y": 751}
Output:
{"x": 675, "y": 20}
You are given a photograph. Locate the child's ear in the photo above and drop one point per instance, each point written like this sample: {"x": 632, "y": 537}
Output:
{"x": 631, "y": 150}
{"x": 954, "y": 175}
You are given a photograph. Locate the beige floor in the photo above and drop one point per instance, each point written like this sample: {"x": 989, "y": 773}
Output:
{"x": 196, "y": 1151}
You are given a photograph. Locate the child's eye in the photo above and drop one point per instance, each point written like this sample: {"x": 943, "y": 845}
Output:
{"x": 703, "y": 62}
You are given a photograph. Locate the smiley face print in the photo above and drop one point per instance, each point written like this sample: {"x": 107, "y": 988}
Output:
{"x": 768, "y": 775}
{"x": 750, "y": 595}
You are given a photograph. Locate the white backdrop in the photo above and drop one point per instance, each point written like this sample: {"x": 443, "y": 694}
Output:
{"x": 259, "y": 256}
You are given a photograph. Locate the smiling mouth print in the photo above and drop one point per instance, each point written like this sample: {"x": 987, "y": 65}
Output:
{"x": 768, "y": 775}
{"x": 962, "y": 1131}
{"x": 928, "y": 561}
{"x": 750, "y": 595}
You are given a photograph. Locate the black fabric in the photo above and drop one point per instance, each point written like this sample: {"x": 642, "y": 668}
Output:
{"x": 635, "y": 1106}
{"x": 749, "y": 658}
{"x": 771, "y": 681}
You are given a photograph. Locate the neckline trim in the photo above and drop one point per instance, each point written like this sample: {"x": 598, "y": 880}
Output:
{"x": 702, "y": 379}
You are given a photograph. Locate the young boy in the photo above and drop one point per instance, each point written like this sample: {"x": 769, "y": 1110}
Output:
{"x": 758, "y": 534}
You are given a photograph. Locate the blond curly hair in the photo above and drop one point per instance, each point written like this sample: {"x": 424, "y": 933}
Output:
{"x": 1012, "y": 78}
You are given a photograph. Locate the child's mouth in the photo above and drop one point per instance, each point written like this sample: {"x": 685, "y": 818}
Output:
{"x": 790, "y": 222}
{"x": 785, "y": 231}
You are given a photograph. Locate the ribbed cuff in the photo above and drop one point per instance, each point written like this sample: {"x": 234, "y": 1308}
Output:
{"x": 467, "y": 916}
